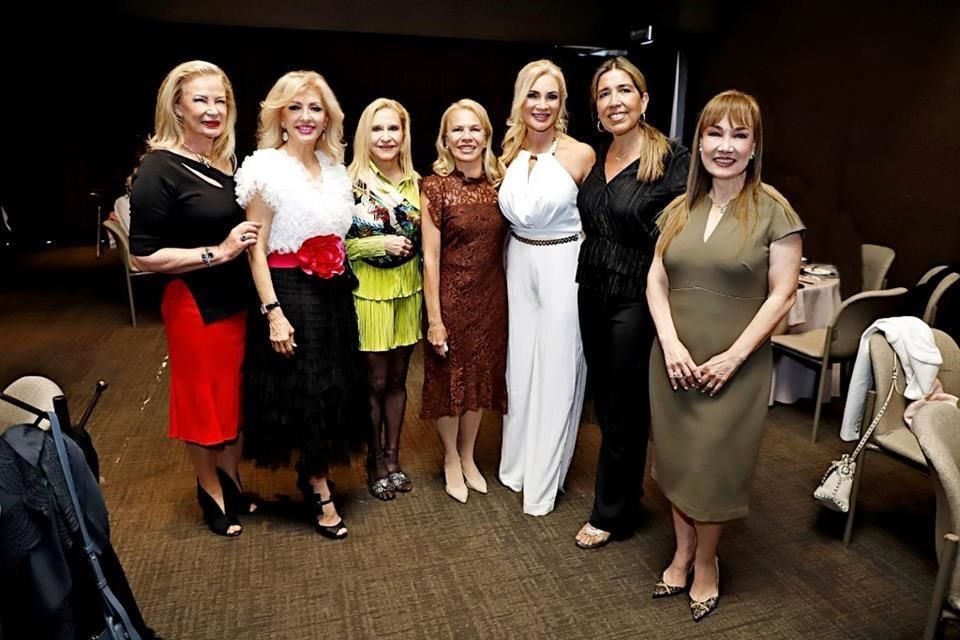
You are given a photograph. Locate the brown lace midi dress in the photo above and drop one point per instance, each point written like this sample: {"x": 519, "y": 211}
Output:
{"x": 473, "y": 299}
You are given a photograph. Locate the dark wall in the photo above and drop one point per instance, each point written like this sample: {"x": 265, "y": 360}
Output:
{"x": 859, "y": 97}
{"x": 103, "y": 104}
{"x": 568, "y": 22}
{"x": 860, "y": 101}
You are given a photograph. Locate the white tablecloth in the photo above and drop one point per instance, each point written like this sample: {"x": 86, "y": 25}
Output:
{"x": 815, "y": 306}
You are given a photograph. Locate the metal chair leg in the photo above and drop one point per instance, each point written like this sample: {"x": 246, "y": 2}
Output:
{"x": 947, "y": 560}
{"x": 133, "y": 311}
{"x": 854, "y": 493}
{"x": 821, "y": 384}
{"x": 868, "y": 405}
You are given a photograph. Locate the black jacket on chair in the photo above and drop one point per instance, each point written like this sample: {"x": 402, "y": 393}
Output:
{"x": 48, "y": 590}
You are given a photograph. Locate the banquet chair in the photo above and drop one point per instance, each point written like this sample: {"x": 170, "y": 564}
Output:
{"x": 130, "y": 270}
{"x": 840, "y": 339}
{"x": 937, "y": 429}
{"x": 892, "y": 437}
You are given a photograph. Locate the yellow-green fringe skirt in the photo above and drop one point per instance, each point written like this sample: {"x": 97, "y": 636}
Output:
{"x": 388, "y": 324}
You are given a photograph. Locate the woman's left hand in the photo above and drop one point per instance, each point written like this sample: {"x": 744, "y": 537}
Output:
{"x": 715, "y": 372}
{"x": 395, "y": 245}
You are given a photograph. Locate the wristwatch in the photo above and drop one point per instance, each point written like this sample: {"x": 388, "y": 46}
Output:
{"x": 267, "y": 308}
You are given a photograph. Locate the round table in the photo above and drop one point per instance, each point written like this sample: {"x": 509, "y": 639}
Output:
{"x": 816, "y": 304}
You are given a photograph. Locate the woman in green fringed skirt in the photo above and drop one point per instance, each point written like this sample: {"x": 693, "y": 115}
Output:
{"x": 384, "y": 250}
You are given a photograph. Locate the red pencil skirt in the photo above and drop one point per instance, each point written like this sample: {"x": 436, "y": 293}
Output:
{"x": 205, "y": 370}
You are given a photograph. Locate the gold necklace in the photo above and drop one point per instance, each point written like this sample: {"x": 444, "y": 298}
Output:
{"x": 619, "y": 158}
{"x": 202, "y": 159}
{"x": 722, "y": 207}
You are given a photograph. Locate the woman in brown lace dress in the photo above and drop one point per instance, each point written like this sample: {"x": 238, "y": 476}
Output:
{"x": 465, "y": 291}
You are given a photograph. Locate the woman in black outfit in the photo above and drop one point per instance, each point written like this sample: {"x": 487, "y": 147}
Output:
{"x": 184, "y": 222}
{"x": 634, "y": 178}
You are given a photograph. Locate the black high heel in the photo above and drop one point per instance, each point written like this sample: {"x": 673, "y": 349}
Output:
{"x": 336, "y": 531}
{"x": 217, "y": 521}
{"x": 234, "y": 495}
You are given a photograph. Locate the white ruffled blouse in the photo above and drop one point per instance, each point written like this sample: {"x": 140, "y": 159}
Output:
{"x": 303, "y": 208}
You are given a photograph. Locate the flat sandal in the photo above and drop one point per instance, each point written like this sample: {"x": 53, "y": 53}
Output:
{"x": 593, "y": 532}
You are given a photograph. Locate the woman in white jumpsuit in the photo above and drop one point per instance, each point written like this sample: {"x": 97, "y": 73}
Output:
{"x": 546, "y": 371}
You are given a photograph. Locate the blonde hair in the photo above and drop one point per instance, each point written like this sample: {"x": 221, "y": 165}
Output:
{"x": 517, "y": 129}
{"x": 445, "y": 164}
{"x": 168, "y": 128}
{"x": 269, "y": 131}
{"x": 359, "y": 168}
{"x": 655, "y": 144}
{"x": 740, "y": 109}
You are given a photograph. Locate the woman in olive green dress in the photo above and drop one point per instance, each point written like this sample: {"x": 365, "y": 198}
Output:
{"x": 724, "y": 274}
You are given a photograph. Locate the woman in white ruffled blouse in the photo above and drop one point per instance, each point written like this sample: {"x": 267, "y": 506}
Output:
{"x": 305, "y": 379}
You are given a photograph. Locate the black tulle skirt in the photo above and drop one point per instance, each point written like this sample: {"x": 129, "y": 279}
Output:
{"x": 313, "y": 403}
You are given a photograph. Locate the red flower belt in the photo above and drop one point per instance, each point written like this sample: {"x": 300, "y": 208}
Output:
{"x": 321, "y": 256}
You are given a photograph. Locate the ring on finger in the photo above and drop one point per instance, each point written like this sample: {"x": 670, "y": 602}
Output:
{"x": 243, "y": 237}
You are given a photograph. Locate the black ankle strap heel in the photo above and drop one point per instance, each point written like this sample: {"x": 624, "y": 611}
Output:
{"x": 336, "y": 531}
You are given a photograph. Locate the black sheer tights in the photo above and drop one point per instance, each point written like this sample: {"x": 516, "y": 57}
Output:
{"x": 387, "y": 388}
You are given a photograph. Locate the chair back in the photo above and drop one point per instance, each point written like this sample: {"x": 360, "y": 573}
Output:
{"x": 34, "y": 390}
{"x": 876, "y": 263}
{"x": 937, "y": 428}
{"x": 929, "y": 274}
{"x": 123, "y": 240}
{"x": 949, "y": 374}
{"x": 121, "y": 208}
{"x": 856, "y": 314}
{"x": 882, "y": 357}
{"x": 930, "y": 312}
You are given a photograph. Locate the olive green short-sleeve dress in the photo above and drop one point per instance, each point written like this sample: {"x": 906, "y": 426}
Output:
{"x": 706, "y": 447}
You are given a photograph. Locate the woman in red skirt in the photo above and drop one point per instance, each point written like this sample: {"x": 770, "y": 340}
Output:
{"x": 184, "y": 222}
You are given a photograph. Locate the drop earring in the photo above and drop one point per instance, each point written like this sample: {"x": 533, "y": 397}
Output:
{"x": 284, "y": 136}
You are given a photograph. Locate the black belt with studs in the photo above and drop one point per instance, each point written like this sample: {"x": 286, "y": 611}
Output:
{"x": 546, "y": 243}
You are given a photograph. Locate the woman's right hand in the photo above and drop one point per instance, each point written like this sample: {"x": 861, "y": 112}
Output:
{"x": 681, "y": 369}
{"x": 437, "y": 337}
{"x": 398, "y": 246}
{"x": 240, "y": 237}
{"x": 281, "y": 333}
